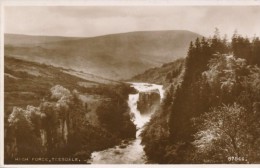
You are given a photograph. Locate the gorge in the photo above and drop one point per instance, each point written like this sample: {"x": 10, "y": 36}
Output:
{"x": 131, "y": 151}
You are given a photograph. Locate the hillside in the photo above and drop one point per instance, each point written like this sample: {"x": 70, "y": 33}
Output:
{"x": 52, "y": 111}
{"x": 117, "y": 56}
{"x": 27, "y": 82}
{"x": 28, "y": 40}
{"x": 161, "y": 75}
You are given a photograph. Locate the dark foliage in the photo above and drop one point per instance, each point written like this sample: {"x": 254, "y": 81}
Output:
{"x": 58, "y": 127}
{"x": 216, "y": 73}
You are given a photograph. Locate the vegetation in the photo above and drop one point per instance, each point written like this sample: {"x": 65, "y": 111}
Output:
{"x": 60, "y": 120}
{"x": 228, "y": 131}
{"x": 161, "y": 75}
{"x": 211, "y": 116}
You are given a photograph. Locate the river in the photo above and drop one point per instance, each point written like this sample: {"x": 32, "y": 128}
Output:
{"x": 129, "y": 152}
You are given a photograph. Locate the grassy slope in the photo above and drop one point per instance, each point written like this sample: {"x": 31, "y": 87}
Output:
{"x": 118, "y": 56}
{"x": 26, "y": 83}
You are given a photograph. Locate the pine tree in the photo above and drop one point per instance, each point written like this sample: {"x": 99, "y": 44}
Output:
{"x": 255, "y": 51}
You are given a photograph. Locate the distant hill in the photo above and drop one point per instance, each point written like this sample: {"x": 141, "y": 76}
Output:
{"x": 28, "y": 40}
{"x": 117, "y": 56}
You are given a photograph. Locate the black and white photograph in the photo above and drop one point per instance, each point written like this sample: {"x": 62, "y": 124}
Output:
{"x": 87, "y": 84}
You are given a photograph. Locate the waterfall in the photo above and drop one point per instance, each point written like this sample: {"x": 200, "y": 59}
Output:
{"x": 140, "y": 120}
{"x": 133, "y": 153}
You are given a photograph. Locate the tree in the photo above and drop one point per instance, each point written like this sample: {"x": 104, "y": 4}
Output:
{"x": 110, "y": 116}
{"x": 225, "y": 77}
{"x": 168, "y": 100}
{"x": 255, "y": 51}
{"x": 24, "y": 139}
{"x": 242, "y": 48}
{"x": 50, "y": 124}
{"x": 224, "y": 133}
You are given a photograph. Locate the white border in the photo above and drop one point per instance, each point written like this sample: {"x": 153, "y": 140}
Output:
{"x": 2, "y": 86}
{"x": 130, "y": 2}
{"x": 103, "y": 3}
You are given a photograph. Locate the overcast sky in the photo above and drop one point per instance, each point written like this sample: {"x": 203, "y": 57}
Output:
{"x": 95, "y": 21}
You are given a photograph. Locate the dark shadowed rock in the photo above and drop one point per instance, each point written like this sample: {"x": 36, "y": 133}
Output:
{"x": 148, "y": 101}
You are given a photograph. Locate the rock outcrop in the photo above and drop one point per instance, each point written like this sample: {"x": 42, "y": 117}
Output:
{"x": 148, "y": 101}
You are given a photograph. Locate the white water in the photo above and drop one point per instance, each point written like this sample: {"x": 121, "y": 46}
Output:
{"x": 133, "y": 152}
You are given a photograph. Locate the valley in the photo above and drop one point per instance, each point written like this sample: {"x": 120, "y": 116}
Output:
{"x": 160, "y": 113}
{"x": 27, "y": 85}
{"x": 116, "y": 56}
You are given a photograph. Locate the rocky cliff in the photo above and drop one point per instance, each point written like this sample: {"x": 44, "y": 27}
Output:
{"x": 148, "y": 101}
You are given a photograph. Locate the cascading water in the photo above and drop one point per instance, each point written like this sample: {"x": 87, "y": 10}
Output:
{"x": 140, "y": 120}
{"x": 133, "y": 153}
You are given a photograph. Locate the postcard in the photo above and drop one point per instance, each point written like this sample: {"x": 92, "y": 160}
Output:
{"x": 130, "y": 82}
